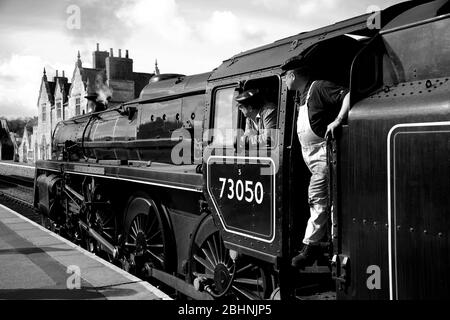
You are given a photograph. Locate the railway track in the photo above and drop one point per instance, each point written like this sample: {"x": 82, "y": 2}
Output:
{"x": 17, "y": 193}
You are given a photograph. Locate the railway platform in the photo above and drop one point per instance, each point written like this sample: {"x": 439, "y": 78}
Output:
{"x": 38, "y": 264}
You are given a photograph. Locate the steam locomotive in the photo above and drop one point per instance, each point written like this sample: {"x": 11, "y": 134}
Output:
{"x": 158, "y": 186}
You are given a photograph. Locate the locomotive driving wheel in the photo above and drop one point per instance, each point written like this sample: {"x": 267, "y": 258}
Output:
{"x": 146, "y": 237}
{"x": 244, "y": 279}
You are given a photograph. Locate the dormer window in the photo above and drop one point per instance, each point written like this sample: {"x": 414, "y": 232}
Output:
{"x": 58, "y": 110}
{"x": 44, "y": 112}
{"x": 77, "y": 106}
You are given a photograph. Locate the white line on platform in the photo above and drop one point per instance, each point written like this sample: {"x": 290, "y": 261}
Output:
{"x": 132, "y": 278}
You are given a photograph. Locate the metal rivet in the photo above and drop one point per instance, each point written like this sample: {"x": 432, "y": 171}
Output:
{"x": 364, "y": 221}
{"x": 425, "y": 231}
{"x": 354, "y": 220}
{"x": 398, "y": 227}
{"x": 440, "y": 234}
{"x": 375, "y": 223}
{"x": 411, "y": 229}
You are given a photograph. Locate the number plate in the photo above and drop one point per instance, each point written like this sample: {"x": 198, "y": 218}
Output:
{"x": 243, "y": 193}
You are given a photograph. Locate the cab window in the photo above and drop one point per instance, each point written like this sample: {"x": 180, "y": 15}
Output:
{"x": 269, "y": 87}
{"x": 225, "y": 117}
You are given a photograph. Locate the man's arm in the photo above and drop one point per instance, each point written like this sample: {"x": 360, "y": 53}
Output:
{"x": 269, "y": 123}
{"x": 343, "y": 112}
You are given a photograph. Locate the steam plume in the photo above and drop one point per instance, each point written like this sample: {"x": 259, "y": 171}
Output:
{"x": 104, "y": 93}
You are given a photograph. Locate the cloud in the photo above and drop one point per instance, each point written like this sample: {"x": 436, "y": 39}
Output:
{"x": 20, "y": 78}
{"x": 161, "y": 18}
{"x": 223, "y": 28}
{"x": 98, "y": 19}
{"x": 315, "y": 7}
{"x": 160, "y": 30}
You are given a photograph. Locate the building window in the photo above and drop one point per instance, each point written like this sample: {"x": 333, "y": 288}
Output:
{"x": 58, "y": 110}
{"x": 77, "y": 106}
{"x": 44, "y": 113}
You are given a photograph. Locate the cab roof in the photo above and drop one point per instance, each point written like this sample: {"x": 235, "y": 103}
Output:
{"x": 275, "y": 54}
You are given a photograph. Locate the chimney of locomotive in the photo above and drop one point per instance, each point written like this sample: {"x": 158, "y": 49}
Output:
{"x": 98, "y": 58}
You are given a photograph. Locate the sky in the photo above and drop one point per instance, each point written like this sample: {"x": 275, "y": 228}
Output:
{"x": 185, "y": 36}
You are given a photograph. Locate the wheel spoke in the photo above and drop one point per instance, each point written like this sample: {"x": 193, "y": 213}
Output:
{"x": 155, "y": 245}
{"x": 244, "y": 268}
{"x": 208, "y": 257}
{"x": 138, "y": 222}
{"x": 156, "y": 256}
{"x": 253, "y": 282}
{"x": 219, "y": 258}
{"x": 106, "y": 222}
{"x": 204, "y": 263}
{"x": 155, "y": 234}
{"x": 130, "y": 244}
{"x": 108, "y": 235}
{"x": 149, "y": 229}
{"x": 133, "y": 229}
{"x": 221, "y": 251}
{"x": 213, "y": 253}
{"x": 249, "y": 295}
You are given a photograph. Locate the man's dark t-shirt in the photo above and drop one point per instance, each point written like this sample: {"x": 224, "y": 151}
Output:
{"x": 324, "y": 103}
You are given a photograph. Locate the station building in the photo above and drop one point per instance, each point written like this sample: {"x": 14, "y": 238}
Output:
{"x": 60, "y": 99}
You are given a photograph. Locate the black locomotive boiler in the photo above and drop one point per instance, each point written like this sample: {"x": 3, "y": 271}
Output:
{"x": 158, "y": 186}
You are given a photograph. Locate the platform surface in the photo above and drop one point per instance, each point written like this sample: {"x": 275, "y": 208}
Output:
{"x": 38, "y": 264}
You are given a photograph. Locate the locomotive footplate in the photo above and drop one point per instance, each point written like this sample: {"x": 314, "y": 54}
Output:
{"x": 158, "y": 174}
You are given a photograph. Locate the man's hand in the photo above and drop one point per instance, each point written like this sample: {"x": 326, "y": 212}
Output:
{"x": 332, "y": 126}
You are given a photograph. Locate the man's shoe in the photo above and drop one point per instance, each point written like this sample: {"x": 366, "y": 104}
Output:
{"x": 307, "y": 256}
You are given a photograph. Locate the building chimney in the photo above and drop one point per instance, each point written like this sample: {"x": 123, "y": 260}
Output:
{"x": 63, "y": 74}
{"x": 120, "y": 53}
{"x": 56, "y": 73}
{"x": 98, "y": 58}
{"x": 126, "y": 53}
{"x": 111, "y": 52}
